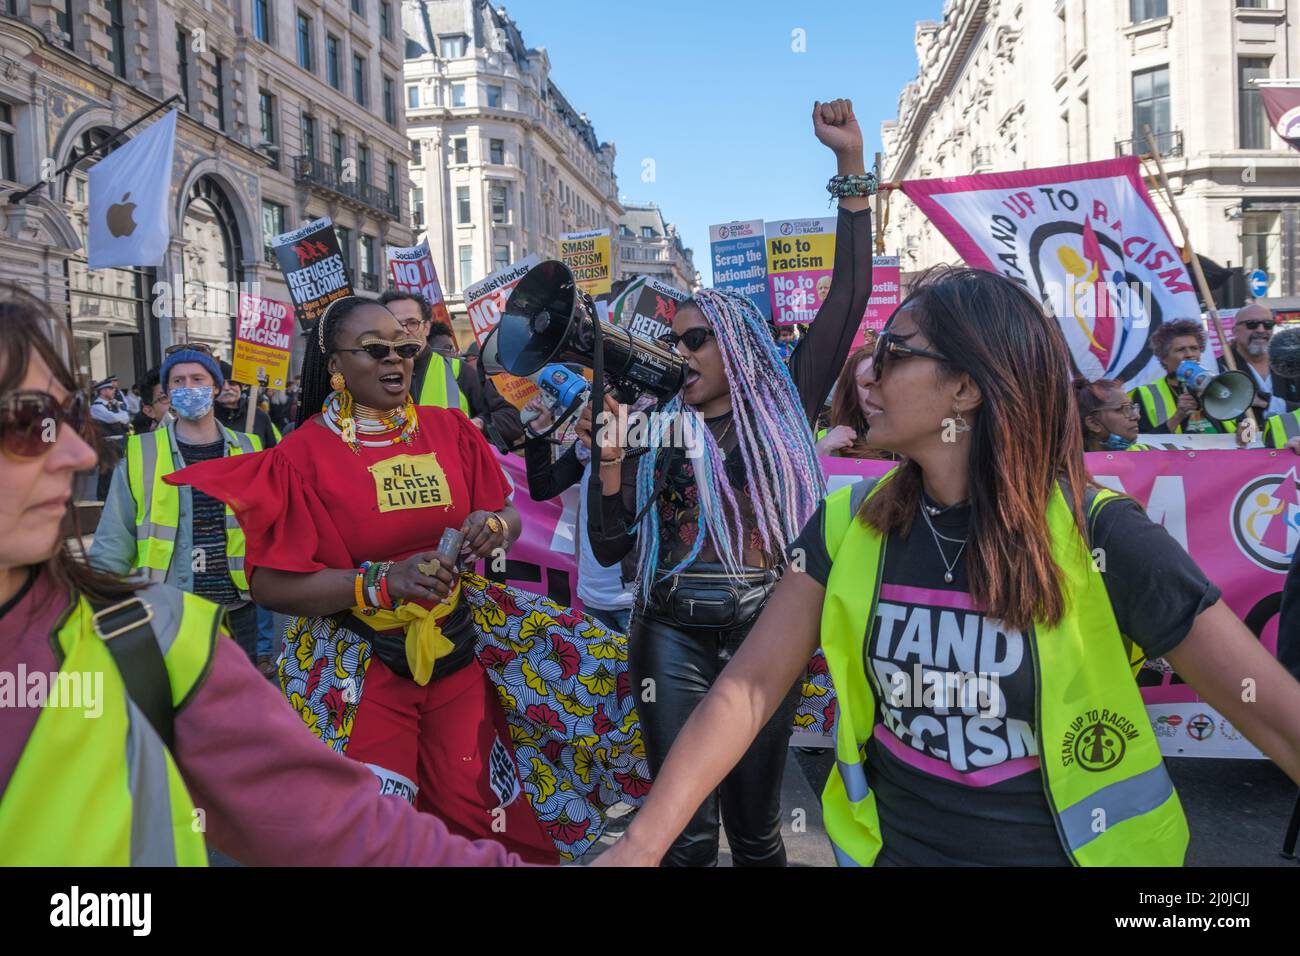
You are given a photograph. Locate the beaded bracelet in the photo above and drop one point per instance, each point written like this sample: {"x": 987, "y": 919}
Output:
{"x": 383, "y": 585}
{"x": 841, "y": 187}
{"x": 359, "y": 584}
{"x": 372, "y": 583}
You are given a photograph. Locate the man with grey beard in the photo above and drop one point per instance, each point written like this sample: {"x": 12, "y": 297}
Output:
{"x": 1251, "y": 331}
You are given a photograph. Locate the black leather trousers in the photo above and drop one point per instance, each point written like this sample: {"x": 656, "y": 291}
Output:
{"x": 683, "y": 664}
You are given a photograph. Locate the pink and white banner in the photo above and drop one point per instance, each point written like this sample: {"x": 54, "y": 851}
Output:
{"x": 1086, "y": 241}
{"x": 1236, "y": 512}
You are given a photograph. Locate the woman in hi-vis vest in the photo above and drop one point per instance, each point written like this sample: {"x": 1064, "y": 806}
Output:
{"x": 976, "y": 608}
{"x": 142, "y": 734}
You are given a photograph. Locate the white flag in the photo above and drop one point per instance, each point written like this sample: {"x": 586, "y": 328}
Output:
{"x": 130, "y": 191}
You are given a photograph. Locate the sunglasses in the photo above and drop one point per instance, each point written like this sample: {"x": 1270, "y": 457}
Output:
{"x": 693, "y": 338}
{"x": 1128, "y": 409}
{"x": 1254, "y": 324}
{"x": 381, "y": 350}
{"x": 188, "y": 347}
{"x": 889, "y": 345}
{"x": 26, "y": 417}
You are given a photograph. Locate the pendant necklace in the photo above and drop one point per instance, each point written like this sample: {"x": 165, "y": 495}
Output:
{"x": 947, "y": 574}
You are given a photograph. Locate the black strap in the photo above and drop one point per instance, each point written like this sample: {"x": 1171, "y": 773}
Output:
{"x": 131, "y": 641}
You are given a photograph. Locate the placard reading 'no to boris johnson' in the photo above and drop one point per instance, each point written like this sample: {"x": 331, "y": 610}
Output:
{"x": 800, "y": 253}
{"x": 263, "y": 342}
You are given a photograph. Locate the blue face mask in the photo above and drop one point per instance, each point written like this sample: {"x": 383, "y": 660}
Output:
{"x": 191, "y": 403}
{"x": 1115, "y": 442}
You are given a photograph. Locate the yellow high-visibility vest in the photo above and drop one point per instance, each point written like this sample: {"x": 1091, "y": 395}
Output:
{"x": 1085, "y": 687}
{"x": 1280, "y": 429}
{"x": 442, "y": 390}
{"x": 158, "y": 504}
{"x": 102, "y": 789}
{"x": 1159, "y": 403}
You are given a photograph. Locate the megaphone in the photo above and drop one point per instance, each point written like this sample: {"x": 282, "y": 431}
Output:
{"x": 548, "y": 320}
{"x": 1224, "y": 396}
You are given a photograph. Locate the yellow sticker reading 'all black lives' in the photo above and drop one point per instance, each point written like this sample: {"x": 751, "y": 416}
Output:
{"x": 410, "y": 481}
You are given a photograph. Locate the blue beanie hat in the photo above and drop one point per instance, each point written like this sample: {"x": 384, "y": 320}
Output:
{"x": 191, "y": 355}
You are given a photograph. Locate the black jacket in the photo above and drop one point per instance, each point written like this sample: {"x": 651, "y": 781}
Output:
{"x": 235, "y": 418}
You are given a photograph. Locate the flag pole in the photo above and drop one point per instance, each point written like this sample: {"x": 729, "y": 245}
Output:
{"x": 1194, "y": 262}
{"x": 880, "y": 202}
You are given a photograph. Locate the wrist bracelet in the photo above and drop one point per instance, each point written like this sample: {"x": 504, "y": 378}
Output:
{"x": 383, "y": 585}
{"x": 613, "y": 461}
{"x": 841, "y": 187}
{"x": 357, "y": 586}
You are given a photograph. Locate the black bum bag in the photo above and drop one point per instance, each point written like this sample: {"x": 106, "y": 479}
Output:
{"x": 707, "y": 596}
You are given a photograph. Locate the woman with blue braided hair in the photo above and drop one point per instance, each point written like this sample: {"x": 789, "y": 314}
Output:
{"x": 702, "y": 529}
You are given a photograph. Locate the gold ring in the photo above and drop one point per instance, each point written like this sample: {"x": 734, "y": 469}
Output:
{"x": 494, "y": 524}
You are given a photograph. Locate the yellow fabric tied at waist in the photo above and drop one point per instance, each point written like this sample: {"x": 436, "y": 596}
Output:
{"x": 425, "y": 642}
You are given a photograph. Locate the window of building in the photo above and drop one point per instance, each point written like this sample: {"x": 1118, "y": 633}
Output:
{"x": 1261, "y": 246}
{"x": 183, "y": 65}
{"x": 462, "y": 205}
{"x": 500, "y": 257}
{"x": 497, "y": 151}
{"x": 499, "y": 203}
{"x": 359, "y": 79}
{"x": 417, "y": 206}
{"x": 272, "y": 224}
{"x": 494, "y": 96}
{"x": 391, "y": 181}
{"x": 359, "y": 7}
{"x": 116, "y": 37}
{"x": 452, "y": 46}
{"x": 262, "y": 20}
{"x": 412, "y": 97}
{"x": 458, "y": 94}
{"x": 333, "y": 62}
{"x": 1140, "y": 10}
{"x": 417, "y": 153}
{"x": 647, "y": 232}
{"x": 219, "y": 86}
{"x": 63, "y": 19}
{"x": 460, "y": 149}
{"x": 466, "y": 266}
{"x": 386, "y": 20}
{"x": 309, "y": 136}
{"x": 8, "y": 170}
{"x": 344, "y": 235}
{"x": 266, "y": 122}
{"x": 1151, "y": 104}
{"x": 1252, "y": 118}
{"x": 304, "y": 42}
{"x": 1253, "y": 4}
{"x": 363, "y": 164}
{"x": 523, "y": 210}
{"x": 390, "y": 101}
{"x": 625, "y": 232}
{"x": 337, "y": 147}
{"x": 369, "y": 274}
{"x": 1087, "y": 128}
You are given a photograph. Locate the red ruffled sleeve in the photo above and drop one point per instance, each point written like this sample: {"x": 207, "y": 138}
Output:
{"x": 488, "y": 484}
{"x": 286, "y": 525}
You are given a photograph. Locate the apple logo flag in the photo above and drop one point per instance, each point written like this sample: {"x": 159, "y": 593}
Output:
{"x": 130, "y": 191}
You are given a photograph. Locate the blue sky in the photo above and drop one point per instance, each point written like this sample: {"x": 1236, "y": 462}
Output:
{"x": 712, "y": 91}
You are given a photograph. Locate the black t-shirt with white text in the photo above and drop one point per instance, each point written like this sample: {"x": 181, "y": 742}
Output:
{"x": 954, "y": 764}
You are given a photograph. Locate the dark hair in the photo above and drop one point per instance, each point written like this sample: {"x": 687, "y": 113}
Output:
{"x": 441, "y": 328}
{"x": 145, "y": 385}
{"x": 1165, "y": 334}
{"x": 426, "y": 308}
{"x": 1089, "y": 397}
{"x": 30, "y": 327}
{"x": 322, "y": 340}
{"x": 1017, "y": 356}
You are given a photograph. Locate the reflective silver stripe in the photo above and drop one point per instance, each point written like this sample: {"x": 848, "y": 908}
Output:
{"x": 148, "y": 466}
{"x": 1119, "y": 802}
{"x": 855, "y": 780}
{"x": 152, "y": 840}
{"x": 859, "y": 493}
{"x": 152, "y": 530}
{"x": 235, "y": 562}
{"x": 1291, "y": 424}
{"x": 842, "y": 858}
{"x": 168, "y": 606}
{"x": 453, "y": 388}
{"x": 232, "y": 523}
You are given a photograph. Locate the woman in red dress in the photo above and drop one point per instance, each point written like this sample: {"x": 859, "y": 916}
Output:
{"x": 342, "y": 520}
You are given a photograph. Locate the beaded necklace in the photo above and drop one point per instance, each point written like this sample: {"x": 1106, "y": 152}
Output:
{"x": 350, "y": 420}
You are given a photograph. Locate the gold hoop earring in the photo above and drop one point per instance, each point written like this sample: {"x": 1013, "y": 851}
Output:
{"x": 338, "y": 382}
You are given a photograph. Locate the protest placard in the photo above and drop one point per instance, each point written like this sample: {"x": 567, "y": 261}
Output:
{"x": 740, "y": 262}
{"x": 646, "y": 307}
{"x": 263, "y": 342}
{"x": 800, "y": 253}
{"x": 587, "y": 255}
{"x": 313, "y": 268}
{"x": 485, "y": 300}
{"x": 886, "y": 280}
{"x": 413, "y": 271}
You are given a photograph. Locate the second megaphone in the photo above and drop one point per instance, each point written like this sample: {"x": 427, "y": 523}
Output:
{"x": 1224, "y": 396}
{"x": 548, "y": 319}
